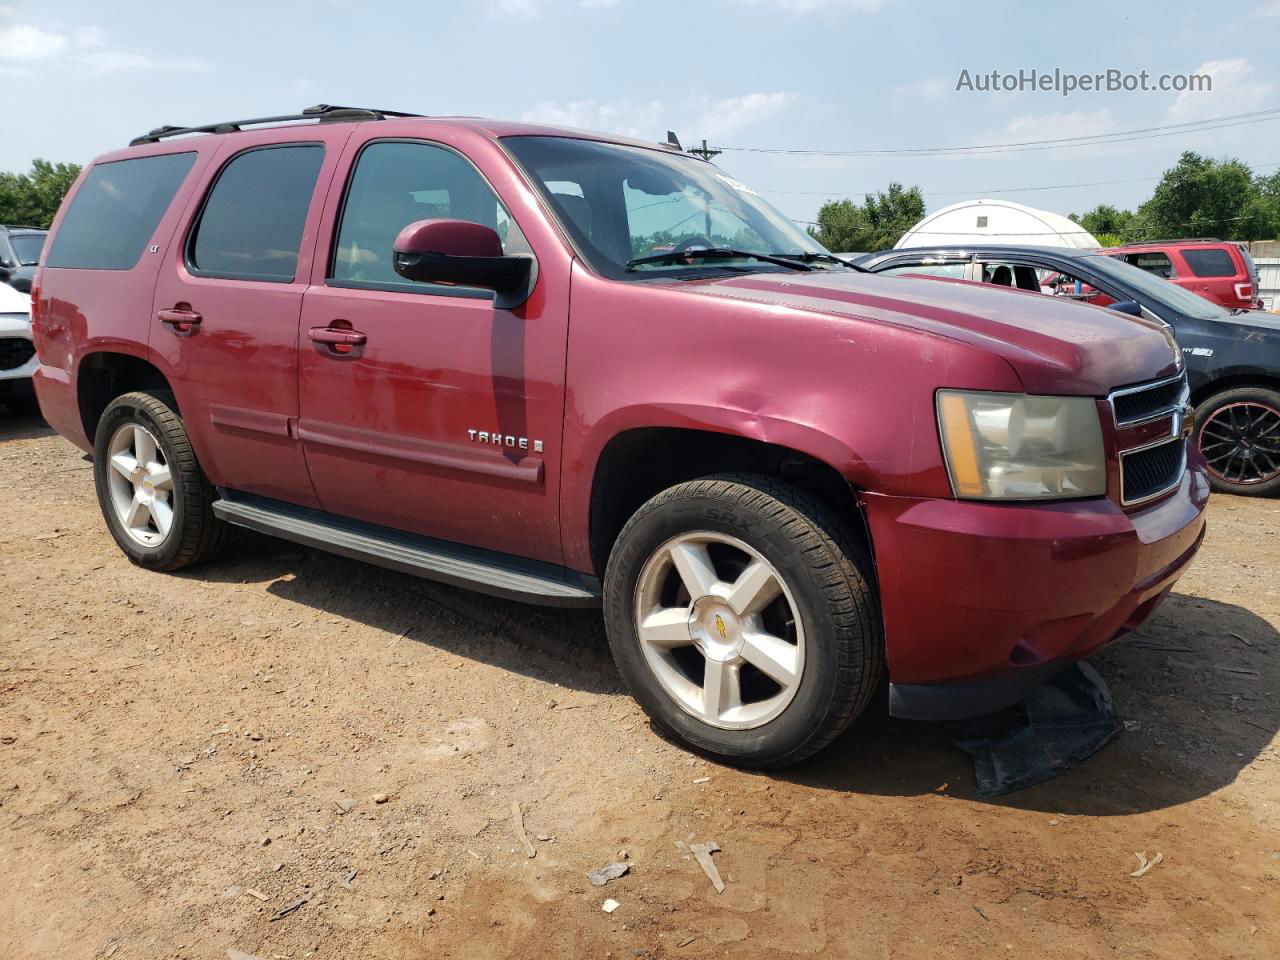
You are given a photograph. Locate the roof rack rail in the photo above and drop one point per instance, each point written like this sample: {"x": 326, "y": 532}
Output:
{"x": 322, "y": 112}
{"x": 1147, "y": 243}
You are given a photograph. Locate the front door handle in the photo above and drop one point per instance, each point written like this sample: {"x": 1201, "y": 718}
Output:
{"x": 181, "y": 318}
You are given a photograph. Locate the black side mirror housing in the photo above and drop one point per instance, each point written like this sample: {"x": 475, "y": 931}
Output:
{"x": 465, "y": 254}
{"x": 1131, "y": 307}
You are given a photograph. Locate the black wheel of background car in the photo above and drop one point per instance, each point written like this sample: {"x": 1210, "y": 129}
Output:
{"x": 1238, "y": 431}
{"x": 23, "y": 406}
{"x": 153, "y": 494}
{"x": 742, "y": 616}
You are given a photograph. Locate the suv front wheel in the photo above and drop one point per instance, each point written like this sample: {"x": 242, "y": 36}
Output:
{"x": 741, "y": 615}
{"x": 153, "y": 494}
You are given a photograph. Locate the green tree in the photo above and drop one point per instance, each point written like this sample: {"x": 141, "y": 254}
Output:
{"x": 1105, "y": 220}
{"x": 875, "y": 224}
{"x": 1203, "y": 197}
{"x": 31, "y": 199}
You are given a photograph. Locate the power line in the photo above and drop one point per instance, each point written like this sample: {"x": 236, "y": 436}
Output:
{"x": 1084, "y": 140}
{"x": 984, "y": 193}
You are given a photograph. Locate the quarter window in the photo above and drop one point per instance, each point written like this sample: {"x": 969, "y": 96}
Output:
{"x": 1210, "y": 263}
{"x": 251, "y": 225}
{"x": 116, "y": 210}
{"x": 396, "y": 183}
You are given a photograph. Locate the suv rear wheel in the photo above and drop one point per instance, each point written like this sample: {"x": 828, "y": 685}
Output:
{"x": 742, "y": 617}
{"x": 153, "y": 494}
{"x": 1238, "y": 431}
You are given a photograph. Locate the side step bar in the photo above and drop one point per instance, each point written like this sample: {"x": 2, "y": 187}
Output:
{"x": 483, "y": 570}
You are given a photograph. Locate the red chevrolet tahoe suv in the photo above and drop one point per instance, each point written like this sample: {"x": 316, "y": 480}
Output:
{"x": 448, "y": 346}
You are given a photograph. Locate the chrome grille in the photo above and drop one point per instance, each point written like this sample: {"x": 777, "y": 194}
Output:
{"x": 14, "y": 352}
{"x": 1149, "y": 471}
{"x": 1149, "y": 401}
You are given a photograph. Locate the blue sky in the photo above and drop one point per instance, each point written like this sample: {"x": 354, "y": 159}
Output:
{"x": 84, "y": 77}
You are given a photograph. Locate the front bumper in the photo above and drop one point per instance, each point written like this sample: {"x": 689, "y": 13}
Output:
{"x": 984, "y": 601}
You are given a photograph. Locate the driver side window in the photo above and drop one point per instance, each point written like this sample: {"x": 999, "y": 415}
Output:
{"x": 395, "y": 184}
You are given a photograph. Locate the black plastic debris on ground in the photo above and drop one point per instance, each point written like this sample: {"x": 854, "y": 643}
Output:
{"x": 1067, "y": 720}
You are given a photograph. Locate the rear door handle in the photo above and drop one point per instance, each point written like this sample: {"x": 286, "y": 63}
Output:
{"x": 182, "y": 319}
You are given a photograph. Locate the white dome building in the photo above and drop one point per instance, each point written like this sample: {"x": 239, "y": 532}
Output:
{"x": 997, "y": 221}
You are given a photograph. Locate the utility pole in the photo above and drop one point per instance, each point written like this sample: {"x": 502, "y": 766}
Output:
{"x": 705, "y": 152}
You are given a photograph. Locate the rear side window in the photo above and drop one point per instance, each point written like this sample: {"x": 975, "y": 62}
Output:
{"x": 116, "y": 210}
{"x": 251, "y": 224}
{"x": 1210, "y": 263}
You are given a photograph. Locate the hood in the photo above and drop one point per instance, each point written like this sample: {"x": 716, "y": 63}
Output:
{"x": 1257, "y": 319}
{"x": 1055, "y": 346}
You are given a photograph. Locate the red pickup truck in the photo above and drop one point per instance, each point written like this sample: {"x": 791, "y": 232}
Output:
{"x": 575, "y": 369}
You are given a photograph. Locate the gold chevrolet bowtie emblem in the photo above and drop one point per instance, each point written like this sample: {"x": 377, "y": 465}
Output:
{"x": 720, "y": 627}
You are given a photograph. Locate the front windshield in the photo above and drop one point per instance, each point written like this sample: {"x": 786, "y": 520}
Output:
{"x": 1186, "y": 303}
{"x": 27, "y": 246}
{"x": 620, "y": 204}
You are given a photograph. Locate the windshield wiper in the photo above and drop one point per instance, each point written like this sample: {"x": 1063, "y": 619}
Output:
{"x": 824, "y": 257}
{"x": 718, "y": 253}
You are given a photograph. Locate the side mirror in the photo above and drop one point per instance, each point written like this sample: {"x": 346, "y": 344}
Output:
{"x": 1131, "y": 307}
{"x": 465, "y": 254}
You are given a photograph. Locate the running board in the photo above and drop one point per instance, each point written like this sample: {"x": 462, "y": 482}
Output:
{"x": 486, "y": 571}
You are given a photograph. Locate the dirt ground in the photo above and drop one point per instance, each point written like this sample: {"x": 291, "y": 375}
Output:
{"x": 176, "y": 752}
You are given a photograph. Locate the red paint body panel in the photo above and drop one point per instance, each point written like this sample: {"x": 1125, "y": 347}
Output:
{"x": 970, "y": 590}
{"x": 235, "y": 377}
{"x": 433, "y": 369}
{"x": 667, "y": 355}
{"x": 1055, "y": 347}
{"x": 94, "y": 311}
{"x": 841, "y": 367}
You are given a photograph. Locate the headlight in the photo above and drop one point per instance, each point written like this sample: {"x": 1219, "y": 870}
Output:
{"x": 1009, "y": 446}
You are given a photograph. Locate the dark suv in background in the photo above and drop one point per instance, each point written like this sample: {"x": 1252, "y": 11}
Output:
{"x": 20, "y": 250}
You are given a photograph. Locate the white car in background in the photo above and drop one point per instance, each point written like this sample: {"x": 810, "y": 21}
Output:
{"x": 17, "y": 353}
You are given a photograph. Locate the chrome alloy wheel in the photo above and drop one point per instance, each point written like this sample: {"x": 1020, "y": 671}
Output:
{"x": 1241, "y": 443}
{"x": 141, "y": 485}
{"x": 720, "y": 630}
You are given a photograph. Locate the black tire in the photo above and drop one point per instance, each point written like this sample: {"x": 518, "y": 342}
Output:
{"x": 195, "y": 534}
{"x": 828, "y": 574}
{"x": 1253, "y": 470}
{"x": 24, "y": 405}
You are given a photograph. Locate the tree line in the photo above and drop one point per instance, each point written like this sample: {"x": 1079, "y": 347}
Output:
{"x": 31, "y": 199}
{"x": 1198, "y": 197}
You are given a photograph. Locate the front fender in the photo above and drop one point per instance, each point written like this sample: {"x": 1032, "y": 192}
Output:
{"x": 853, "y": 393}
